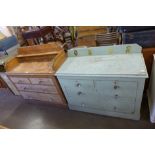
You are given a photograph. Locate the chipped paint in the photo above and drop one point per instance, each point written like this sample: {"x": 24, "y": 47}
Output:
{"x": 110, "y": 50}
{"x": 128, "y": 49}
{"x": 89, "y": 52}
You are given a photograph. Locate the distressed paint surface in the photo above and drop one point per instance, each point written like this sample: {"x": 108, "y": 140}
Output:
{"x": 108, "y": 82}
{"x": 105, "y": 65}
{"x": 106, "y": 50}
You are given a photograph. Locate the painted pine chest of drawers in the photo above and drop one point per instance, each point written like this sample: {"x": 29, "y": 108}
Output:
{"x": 32, "y": 73}
{"x": 104, "y": 80}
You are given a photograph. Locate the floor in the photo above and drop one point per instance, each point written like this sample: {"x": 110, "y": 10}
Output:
{"x": 17, "y": 113}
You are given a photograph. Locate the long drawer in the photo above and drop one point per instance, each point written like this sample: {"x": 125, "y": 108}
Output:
{"x": 36, "y": 88}
{"x": 20, "y": 80}
{"x": 115, "y": 103}
{"x": 42, "y": 97}
{"x": 116, "y": 88}
{"x": 42, "y": 81}
{"x": 25, "y": 80}
{"x": 111, "y": 88}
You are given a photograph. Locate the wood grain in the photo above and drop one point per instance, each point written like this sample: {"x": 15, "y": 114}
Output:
{"x": 12, "y": 64}
{"x": 54, "y": 46}
{"x": 58, "y": 60}
{"x": 37, "y": 54}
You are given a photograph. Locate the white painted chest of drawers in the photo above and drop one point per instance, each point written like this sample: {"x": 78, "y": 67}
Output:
{"x": 104, "y": 80}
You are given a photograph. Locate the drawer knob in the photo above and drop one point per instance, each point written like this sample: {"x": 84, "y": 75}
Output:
{"x": 79, "y": 93}
{"x": 78, "y": 84}
{"x": 116, "y": 96}
{"x": 40, "y": 82}
{"x": 24, "y": 88}
{"x": 82, "y": 105}
{"x": 20, "y": 81}
{"x": 115, "y": 87}
{"x": 75, "y": 52}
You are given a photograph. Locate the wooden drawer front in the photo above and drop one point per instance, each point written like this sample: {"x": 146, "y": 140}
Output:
{"x": 42, "y": 97}
{"x": 41, "y": 81}
{"x": 20, "y": 80}
{"x": 116, "y": 88}
{"x": 36, "y": 88}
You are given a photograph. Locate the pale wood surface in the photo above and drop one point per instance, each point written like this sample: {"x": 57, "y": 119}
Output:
{"x": 33, "y": 67}
{"x": 37, "y": 54}
{"x": 58, "y": 60}
{"x": 37, "y": 59}
{"x": 54, "y": 46}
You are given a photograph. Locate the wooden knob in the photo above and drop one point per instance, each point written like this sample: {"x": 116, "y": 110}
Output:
{"x": 82, "y": 105}
{"x": 115, "y": 87}
{"x": 79, "y": 93}
{"x": 78, "y": 84}
{"x": 116, "y": 96}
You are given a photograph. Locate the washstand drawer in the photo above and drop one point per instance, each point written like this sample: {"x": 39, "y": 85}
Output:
{"x": 42, "y": 97}
{"x": 121, "y": 105}
{"x": 36, "y": 88}
{"x": 20, "y": 80}
{"x": 41, "y": 81}
{"x": 120, "y": 88}
{"x": 75, "y": 86}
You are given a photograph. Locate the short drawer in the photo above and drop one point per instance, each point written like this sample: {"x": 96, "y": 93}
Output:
{"x": 42, "y": 97}
{"x": 116, "y": 88}
{"x": 36, "y": 88}
{"x": 42, "y": 81}
{"x": 75, "y": 86}
{"x": 20, "y": 80}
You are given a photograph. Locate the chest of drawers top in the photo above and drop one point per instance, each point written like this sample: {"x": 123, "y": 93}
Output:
{"x": 105, "y": 61}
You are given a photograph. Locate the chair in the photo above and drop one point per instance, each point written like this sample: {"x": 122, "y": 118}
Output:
{"x": 106, "y": 39}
